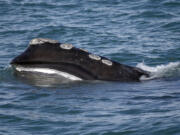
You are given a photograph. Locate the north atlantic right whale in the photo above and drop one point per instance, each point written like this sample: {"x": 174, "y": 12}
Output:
{"x": 73, "y": 63}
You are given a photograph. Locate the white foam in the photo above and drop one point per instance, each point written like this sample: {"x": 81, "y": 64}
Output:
{"x": 48, "y": 71}
{"x": 159, "y": 71}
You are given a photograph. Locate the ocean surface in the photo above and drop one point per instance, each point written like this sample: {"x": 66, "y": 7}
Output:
{"x": 140, "y": 33}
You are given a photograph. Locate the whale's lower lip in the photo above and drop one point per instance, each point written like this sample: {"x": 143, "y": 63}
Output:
{"x": 48, "y": 71}
{"x": 67, "y": 70}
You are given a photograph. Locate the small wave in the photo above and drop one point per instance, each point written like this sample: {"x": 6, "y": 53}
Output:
{"x": 161, "y": 71}
{"x": 6, "y": 73}
{"x": 172, "y": 4}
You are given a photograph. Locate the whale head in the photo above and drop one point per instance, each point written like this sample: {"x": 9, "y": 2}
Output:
{"x": 55, "y": 57}
{"x": 72, "y": 62}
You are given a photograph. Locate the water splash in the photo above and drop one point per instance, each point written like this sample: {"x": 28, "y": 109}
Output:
{"x": 160, "y": 71}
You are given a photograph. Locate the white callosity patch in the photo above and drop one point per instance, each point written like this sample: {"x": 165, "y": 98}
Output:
{"x": 107, "y": 62}
{"x": 83, "y": 50}
{"x": 48, "y": 71}
{"x": 94, "y": 57}
{"x": 38, "y": 41}
{"x": 66, "y": 46}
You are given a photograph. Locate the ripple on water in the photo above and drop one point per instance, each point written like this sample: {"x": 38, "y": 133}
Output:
{"x": 127, "y": 31}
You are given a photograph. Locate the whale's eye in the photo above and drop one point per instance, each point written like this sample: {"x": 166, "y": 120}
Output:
{"x": 107, "y": 62}
{"x": 66, "y": 46}
{"x": 94, "y": 57}
{"x": 38, "y": 41}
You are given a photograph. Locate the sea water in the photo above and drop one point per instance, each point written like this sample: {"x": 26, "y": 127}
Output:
{"x": 141, "y": 33}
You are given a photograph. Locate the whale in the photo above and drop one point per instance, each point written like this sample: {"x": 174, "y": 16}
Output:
{"x": 52, "y": 57}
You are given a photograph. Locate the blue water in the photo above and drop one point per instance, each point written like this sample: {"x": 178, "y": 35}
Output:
{"x": 142, "y": 33}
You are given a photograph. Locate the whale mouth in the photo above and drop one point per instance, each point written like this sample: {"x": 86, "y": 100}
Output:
{"x": 43, "y": 77}
{"x": 48, "y": 71}
{"x": 66, "y": 70}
